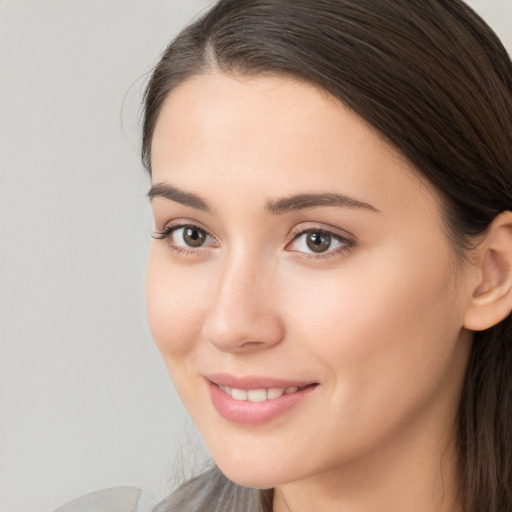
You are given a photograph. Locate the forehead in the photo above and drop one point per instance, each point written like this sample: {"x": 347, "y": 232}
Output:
{"x": 275, "y": 135}
{"x": 253, "y": 110}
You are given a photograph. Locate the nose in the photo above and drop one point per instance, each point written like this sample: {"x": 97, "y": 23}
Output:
{"x": 243, "y": 316}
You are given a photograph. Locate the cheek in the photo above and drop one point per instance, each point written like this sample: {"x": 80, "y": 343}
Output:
{"x": 174, "y": 306}
{"x": 386, "y": 327}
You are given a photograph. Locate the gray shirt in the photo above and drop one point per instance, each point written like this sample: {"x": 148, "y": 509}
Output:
{"x": 116, "y": 499}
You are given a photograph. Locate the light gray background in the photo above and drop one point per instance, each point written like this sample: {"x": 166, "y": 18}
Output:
{"x": 85, "y": 402}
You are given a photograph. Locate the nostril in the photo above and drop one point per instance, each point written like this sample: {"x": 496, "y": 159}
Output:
{"x": 251, "y": 344}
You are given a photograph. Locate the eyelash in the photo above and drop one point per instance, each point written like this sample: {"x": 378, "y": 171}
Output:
{"x": 297, "y": 233}
{"x": 168, "y": 231}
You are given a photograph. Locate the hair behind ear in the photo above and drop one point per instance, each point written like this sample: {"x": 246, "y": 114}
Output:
{"x": 485, "y": 419}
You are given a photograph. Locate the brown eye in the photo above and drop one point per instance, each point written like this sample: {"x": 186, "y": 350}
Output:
{"x": 318, "y": 242}
{"x": 193, "y": 237}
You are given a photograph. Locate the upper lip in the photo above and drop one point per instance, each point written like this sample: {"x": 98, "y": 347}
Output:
{"x": 254, "y": 382}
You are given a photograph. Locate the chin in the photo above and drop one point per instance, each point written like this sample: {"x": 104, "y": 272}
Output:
{"x": 255, "y": 474}
{"x": 248, "y": 477}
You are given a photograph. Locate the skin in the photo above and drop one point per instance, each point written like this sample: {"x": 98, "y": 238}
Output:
{"x": 377, "y": 321}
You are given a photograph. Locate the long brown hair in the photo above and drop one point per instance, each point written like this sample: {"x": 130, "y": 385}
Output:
{"x": 436, "y": 82}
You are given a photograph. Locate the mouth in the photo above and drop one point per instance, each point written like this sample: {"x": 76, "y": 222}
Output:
{"x": 255, "y": 401}
{"x": 260, "y": 395}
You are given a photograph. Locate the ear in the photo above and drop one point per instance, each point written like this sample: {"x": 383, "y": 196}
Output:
{"x": 492, "y": 297}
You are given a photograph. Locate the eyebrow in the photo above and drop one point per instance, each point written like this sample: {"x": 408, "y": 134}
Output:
{"x": 278, "y": 207}
{"x": 305, "y": 201}
{"x": 179, "y": 196}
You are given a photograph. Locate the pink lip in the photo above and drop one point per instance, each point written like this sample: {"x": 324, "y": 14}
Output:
{"x": 244, "y": 412}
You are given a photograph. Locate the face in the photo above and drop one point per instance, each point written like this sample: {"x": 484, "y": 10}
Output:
{"x": 300, "y": 287}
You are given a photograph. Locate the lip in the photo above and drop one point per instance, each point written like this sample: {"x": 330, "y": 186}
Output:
{"x": 253, "y": 382}
{"x": 244, "y": 412}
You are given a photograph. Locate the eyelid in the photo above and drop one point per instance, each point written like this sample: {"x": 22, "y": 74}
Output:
{"x": 304, "y": 227}
{"x": 183, "y": 223}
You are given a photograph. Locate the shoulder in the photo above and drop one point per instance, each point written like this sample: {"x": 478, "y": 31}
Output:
{"x": 116, "y": 499}
{"x": 195, "y": 495}
{"x": 211, "y": 491}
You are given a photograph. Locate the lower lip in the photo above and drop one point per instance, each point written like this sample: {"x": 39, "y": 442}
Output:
{"x": 245, "y": 412}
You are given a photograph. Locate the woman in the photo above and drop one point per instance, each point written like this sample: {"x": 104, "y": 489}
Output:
{"x": 330, "y": 280}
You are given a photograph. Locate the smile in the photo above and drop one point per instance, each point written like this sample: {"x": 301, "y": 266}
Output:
{"x": 255, "y": 401}
{"x": 258, "y": 395}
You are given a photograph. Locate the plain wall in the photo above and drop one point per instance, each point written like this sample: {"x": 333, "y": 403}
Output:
{"x": 85, "y": 402}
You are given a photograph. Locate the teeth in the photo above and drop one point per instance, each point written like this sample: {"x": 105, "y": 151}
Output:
{"x": 239, "y": 394}
{"x": 258, "y": 395}
{"x": 274, "y": 393}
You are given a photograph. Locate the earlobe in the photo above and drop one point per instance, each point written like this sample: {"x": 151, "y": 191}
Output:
{"x": 492, "y": 297}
